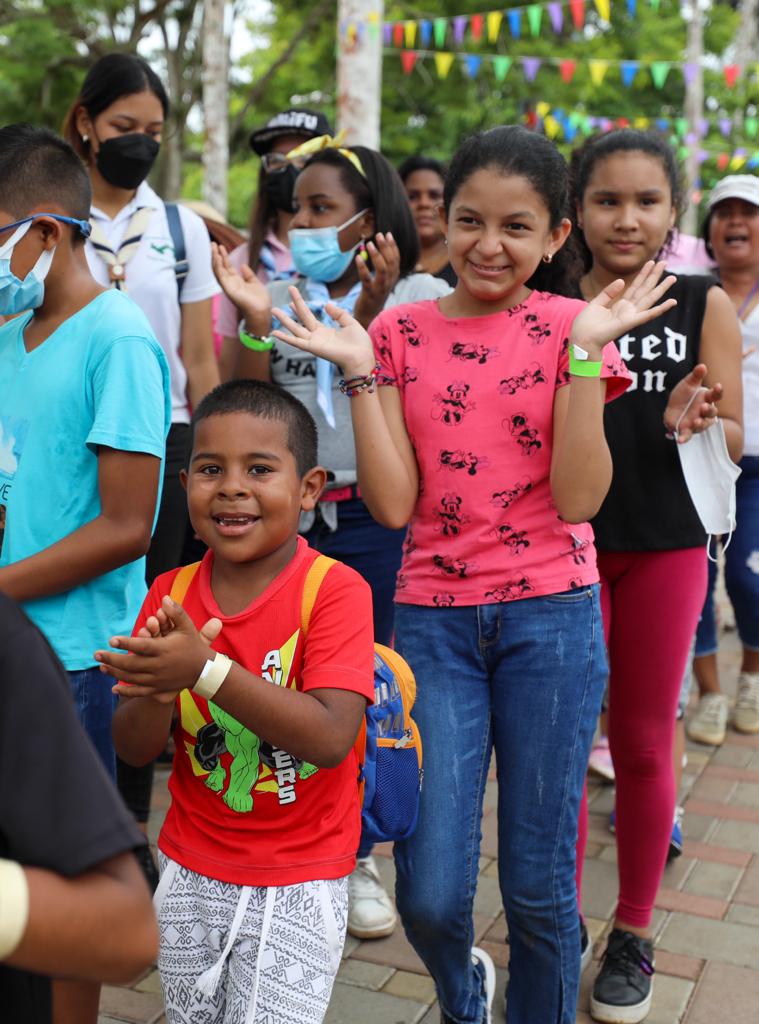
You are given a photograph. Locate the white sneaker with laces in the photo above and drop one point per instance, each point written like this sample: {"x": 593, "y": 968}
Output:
{"x": 371, "y": 914}
{"x": 746, "y": 710}
{"x": 488, "y": 967}
{"x": 709, "y": 723}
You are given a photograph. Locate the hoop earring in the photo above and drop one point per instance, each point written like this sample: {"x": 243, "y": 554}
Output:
{"x": 548, "y": 258}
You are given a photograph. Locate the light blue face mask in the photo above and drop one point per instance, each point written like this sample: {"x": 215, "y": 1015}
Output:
{"x": 317, "y": 254}
{"x": 16, "y": 296}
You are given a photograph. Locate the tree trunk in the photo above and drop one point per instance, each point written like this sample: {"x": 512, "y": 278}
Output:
{"x": 359, "y": 70}
{"x": 215, "y": 106}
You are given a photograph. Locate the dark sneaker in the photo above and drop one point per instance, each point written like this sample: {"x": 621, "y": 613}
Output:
{"x": 622, "y": 991}
{"x": 586, "y": 947}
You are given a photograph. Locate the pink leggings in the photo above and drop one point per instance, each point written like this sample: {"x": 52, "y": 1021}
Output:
{"x": 651, "y": 603}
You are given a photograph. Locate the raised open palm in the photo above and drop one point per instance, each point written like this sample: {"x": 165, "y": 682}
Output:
{"x": 617, "y": 309}
{"x": 348, "y": 345}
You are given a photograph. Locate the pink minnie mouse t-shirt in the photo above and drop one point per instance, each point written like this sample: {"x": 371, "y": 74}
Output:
{"x": 478, "y": 396}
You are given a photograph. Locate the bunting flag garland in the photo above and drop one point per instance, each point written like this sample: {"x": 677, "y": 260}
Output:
{"x": 604, "y": 9}
{"x": 731, "y": 72}
{"x": 556, "y": 14}
{"x": 475, "y": 25}
{"x": 425, "y": 33}
{"x": 597, "y": 68}
{"x": 398, "y": 33}
{"x": 514, "y": 17}
{"x": 440, "y": 27}
{"x": 459, "y": 27}
{"x": 409, "y": 34}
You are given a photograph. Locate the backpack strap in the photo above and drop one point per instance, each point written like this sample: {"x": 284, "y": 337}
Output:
{"x": 181, "y": 264}
{"x": 182, "y": 582}
{"x": 314, "y": 578}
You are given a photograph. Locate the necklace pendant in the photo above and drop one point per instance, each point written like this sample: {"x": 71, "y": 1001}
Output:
{"x": 116, "y": 272}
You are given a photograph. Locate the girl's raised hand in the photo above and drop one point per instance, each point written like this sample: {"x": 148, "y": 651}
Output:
{"x": 617, "y": 309}
{"x": 241, "y": 287}
{"x": 348, "y": 346}
{"x": 692, "y": 406}
{"x": 375, "y": 287}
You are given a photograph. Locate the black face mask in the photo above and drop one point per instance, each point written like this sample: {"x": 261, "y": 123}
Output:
{"x": 280, "y": 187}
{"x": 125, "y": 160}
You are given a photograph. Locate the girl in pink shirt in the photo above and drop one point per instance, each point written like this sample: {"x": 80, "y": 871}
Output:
{"x": 487, "y": 437}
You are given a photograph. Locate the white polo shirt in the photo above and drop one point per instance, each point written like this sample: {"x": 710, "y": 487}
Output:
{"x": 151, "y": 281}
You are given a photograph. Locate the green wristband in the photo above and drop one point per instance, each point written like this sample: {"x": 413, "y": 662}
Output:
{"x": 580, "y": 365}
{"x": 256, "y": 344}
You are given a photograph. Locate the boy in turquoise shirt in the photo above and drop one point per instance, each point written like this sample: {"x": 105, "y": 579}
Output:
{"x": 84, "y": 412}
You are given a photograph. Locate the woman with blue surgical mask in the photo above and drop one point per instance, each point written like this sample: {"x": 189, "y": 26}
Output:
{"x": 353, "y": 242}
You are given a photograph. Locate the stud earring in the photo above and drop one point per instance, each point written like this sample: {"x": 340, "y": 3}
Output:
{"x": 445, "y": 241}
{"x": 548, "y": 258}
{"x": 85, "y": 138}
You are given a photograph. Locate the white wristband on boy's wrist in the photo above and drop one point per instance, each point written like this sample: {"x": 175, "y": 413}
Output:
{"x": 14, "y": 906}
{"x": 215, "y": 671}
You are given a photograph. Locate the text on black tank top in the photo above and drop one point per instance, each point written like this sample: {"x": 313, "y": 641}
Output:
{"x": 648, "y": 507}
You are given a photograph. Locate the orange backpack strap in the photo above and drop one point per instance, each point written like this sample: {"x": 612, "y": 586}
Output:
{"x": 182, "y": 582}
{"x": 314, "y": 579}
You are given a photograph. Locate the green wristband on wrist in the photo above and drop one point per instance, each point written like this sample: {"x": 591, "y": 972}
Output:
{"x": 580, "y": 365}
{"x": 254, "y": 342}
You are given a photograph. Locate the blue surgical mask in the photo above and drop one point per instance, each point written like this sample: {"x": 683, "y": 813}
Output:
{"x": 317, "y": 254}
{"x": 16, "y": 296}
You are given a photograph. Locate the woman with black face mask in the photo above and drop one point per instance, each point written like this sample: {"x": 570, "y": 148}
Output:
{"x": 115, "y": 125}
{"x": 267, "y": 251}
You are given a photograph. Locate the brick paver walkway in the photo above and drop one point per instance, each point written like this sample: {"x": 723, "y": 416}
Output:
{"x": 706, "y": 921}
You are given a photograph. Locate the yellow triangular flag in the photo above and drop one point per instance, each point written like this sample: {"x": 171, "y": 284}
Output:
{"x": 542, "y": 108}
{"x": 604, "y": 9}
{"x": 598, "y": 69}
{"x": 737, "y": 162}
{"x": 443, "y": 62}
{"x": 409, "y": 34}
{"x": 642, "y": 123}
{"x": 551, "y": 126}
{"x": 494, "y": 20}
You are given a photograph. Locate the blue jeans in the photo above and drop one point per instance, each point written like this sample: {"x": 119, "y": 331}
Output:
{"x": 525, "y": 678}
{"x": 95, "y": 704}
{"x": 741, "y": 568}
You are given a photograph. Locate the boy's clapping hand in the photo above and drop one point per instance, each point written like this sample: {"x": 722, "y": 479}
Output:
{"x": 166, "y": 656}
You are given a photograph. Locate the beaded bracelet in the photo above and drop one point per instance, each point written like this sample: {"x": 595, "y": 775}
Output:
{"x": 355, "y": 385}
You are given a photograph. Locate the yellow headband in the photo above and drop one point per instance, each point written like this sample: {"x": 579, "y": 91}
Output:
{"x": 326, "y": 142}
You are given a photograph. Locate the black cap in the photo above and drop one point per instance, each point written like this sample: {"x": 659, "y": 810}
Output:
{"x": 296, "y": 121}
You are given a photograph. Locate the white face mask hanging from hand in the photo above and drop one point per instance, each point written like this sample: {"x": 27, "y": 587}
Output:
{"x": 710, "y": 475}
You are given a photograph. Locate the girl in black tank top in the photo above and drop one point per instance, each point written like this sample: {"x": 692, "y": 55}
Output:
{"x": 650, "y": 541}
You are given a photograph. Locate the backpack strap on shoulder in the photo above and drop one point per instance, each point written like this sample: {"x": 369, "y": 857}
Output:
{"x": 314, "y": 578}
{"x": 182, "y": 582}
{"x": 181, "y": 264}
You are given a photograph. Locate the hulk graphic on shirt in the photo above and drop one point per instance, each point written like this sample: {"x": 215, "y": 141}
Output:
{"x": 227, "y": 734}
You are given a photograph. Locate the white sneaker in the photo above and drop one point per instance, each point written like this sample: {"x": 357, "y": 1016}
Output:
{"x": 371, "y": 914}
{"x": 709, "y": 722}
{"x": 746, "y": 710}
{"x": 481, "y": 957}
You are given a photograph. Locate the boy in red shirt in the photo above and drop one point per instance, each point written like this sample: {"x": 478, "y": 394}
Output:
{"x": 264, "y": 821}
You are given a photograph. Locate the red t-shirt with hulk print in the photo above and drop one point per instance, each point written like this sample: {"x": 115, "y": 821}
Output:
{"x": 243, "y": 811}
{"x": 478, "y": 396}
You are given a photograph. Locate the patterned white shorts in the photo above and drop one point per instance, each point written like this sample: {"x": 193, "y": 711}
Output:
{"x": 232, "y": 954}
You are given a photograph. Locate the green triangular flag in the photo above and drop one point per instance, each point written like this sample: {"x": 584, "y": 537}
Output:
{"x": 440, "y": 27}
{"x": 681, "y": 125}
{"x": 534, "y": 17}
{"x": 659, "y": 72}
{"x": 501, "y": 67}
{"x": 751, "y": 124}
{"x": 654, "y": 4}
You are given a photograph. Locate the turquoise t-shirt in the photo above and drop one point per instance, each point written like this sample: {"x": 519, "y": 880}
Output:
{"x": 100, "y": 379}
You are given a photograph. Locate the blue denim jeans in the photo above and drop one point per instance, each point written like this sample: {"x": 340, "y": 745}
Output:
{"x": 524, "y": 678}
{"x": 741, "y": 568}
{"x": 95, "y": 704}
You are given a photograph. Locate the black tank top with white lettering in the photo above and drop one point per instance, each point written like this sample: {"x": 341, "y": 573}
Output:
{"x": 648, "y": 507}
